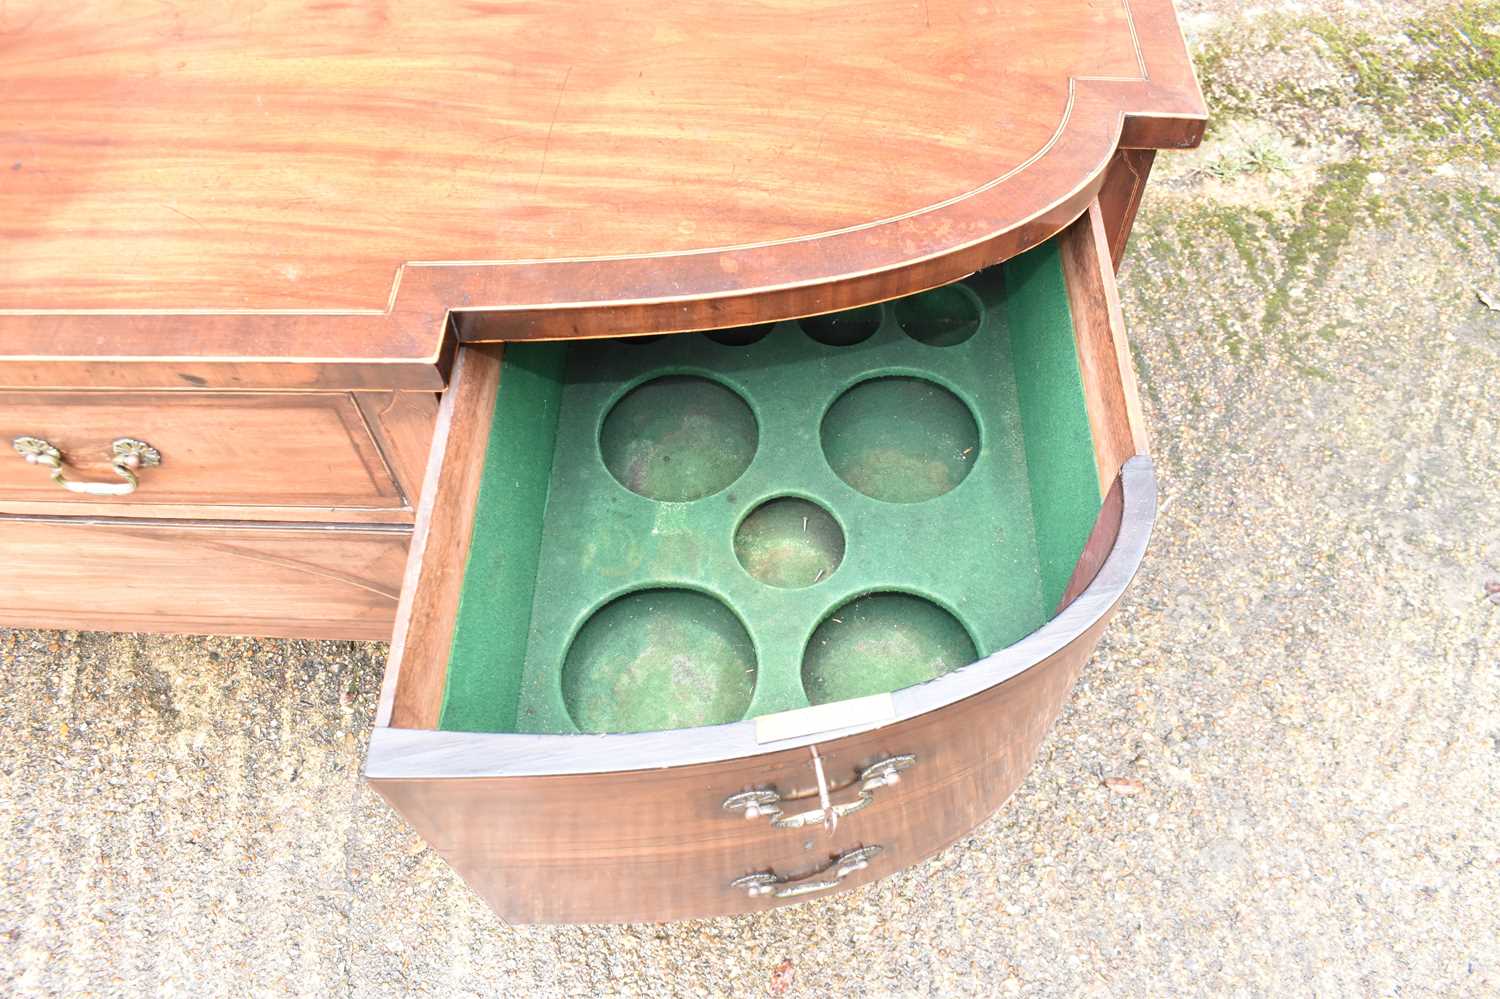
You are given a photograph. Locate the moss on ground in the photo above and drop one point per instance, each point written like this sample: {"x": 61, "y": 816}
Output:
{"x": 1290, "y": 254}
{"x": 1310, "y": 246}
{"x": 1347, "y": 99}
{"x": 1434, "y": 82}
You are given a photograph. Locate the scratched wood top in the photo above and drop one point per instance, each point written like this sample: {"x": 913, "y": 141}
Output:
{"x": 331, "y": 181}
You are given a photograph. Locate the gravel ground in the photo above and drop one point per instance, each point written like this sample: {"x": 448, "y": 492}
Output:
{"x": 1304, "y": 678}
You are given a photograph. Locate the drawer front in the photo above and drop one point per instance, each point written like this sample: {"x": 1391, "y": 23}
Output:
{"x": 287, "y": 582}
{"x": 660, "y": 845}
{"x": 273, "y": 451}
{"x": 638, "y": 846}
{"x": 969, "y": 757}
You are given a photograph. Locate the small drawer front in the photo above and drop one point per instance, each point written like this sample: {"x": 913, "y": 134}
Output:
{"x": 282, "y": 450}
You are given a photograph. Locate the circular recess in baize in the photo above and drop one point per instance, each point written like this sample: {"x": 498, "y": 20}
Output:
{"x": 742, "y": 336}
{"x": 900, "y": 439}
{"x": 678, "y": 438}
{"x": 880, "y": 642}
{"x": 843, "y": 329}
{"x": 659, "y": 659}
{"x": 789, "y": 542}
{"x": 942, "y": 317}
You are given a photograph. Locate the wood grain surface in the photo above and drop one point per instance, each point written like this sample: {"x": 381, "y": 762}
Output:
{"x": 269, "y": 456}
{"x": 418, "y": 666}
{"x": 201, "y": 577}
{"x": 325, "y": 185}
{"x": 1120, "y": 196}
{"x": 1109, "y": 389}
{"x": 403, "y": 424}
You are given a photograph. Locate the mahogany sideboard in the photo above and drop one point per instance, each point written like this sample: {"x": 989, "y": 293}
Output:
{"x": 259, "y": 275}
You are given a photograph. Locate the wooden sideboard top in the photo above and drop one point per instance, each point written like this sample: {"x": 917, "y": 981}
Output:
{"x": 273, "y": 181}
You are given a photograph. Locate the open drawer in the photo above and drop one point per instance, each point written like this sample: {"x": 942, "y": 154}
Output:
{"x": 701, "y": 624}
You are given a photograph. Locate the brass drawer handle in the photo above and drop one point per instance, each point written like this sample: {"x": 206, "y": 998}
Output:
{"x": 769, "y": 883}
{"x": 767, "y": 801}
{"x": 127, "y": 455}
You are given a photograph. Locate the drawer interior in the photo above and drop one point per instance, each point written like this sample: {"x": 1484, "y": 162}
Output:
{"x": 700, "y": 528}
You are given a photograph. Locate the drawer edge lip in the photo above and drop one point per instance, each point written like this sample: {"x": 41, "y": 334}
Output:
{"x": 424, "y": 754}
{"x": 204, "y": 523}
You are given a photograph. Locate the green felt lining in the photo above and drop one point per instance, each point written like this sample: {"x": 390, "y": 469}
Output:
{"x": 494, "y": 609}
{"x": 1054, "y": 420}
{"x": 559, "y": 538}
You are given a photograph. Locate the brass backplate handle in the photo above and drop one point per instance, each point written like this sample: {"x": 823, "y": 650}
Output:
{"x": 766, "y": 802}
{"x": 769, "y": 883}
{"x": 126, "y": 456}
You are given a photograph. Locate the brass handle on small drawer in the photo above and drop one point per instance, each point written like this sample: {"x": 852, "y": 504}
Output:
{"x": 767, "y": 801}
{"x": 769, "y": 883}
{"x": 127, "y": 454}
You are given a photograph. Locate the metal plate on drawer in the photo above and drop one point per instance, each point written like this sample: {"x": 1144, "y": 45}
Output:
{"x": 835, "y": 717}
